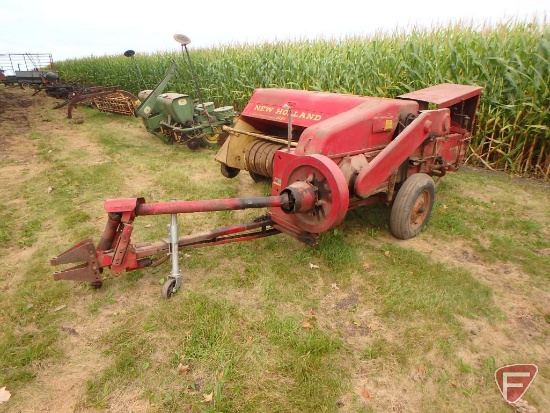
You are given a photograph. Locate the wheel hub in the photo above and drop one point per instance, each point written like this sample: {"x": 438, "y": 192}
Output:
{"x": 318, "y": 175}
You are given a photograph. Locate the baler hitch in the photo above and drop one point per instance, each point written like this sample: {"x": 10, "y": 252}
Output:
{"x": 115, "y": 251}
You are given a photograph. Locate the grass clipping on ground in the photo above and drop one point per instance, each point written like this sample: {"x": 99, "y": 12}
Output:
{"x": 362, "y": 322}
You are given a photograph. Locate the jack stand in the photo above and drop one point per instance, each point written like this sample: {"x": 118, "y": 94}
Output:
{"x": 173, "y": 281}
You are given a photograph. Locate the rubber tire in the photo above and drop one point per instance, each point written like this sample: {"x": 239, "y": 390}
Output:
{"x": 418, "y": 188}
{"x": 259, "y": 178}
{"x": 222, "y": 137}
{"x": 168, "y": 288}
{"x": 96, "y": 285}
{"x": 228, "y": 171}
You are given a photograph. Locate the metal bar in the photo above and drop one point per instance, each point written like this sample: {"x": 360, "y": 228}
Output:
{"x": 163, "y": 248}
{"x": 209, "y": 205}
{"x": 257, "y": 135}
{"x": 201, "y": 100}
{"x": 174, "y": 252}
{"x": 123, "y": 242}
{"x": 234, "y": 238}
{"x": 160, "y": 247}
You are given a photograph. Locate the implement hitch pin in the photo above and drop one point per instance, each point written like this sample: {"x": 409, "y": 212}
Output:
{"x": 173, "y": 281}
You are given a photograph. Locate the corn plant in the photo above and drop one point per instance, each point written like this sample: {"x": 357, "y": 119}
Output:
{"x": 511, "y": 61}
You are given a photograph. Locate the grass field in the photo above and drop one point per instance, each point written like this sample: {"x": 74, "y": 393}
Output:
{"x": 361, "y": 323}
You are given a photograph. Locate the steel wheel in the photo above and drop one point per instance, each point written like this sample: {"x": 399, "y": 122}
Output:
{"x": 168, "y": 288}
{"x": 194, "y": 144}
{"x": 413, "y": 206}
{"x": 211, "y": 139}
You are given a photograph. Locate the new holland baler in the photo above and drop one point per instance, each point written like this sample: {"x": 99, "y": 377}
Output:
{"x": 324, "y": 153}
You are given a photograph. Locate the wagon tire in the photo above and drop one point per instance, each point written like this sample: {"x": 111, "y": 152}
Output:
{"x": 25, "y": 85}
{"x": 412, "y": 207}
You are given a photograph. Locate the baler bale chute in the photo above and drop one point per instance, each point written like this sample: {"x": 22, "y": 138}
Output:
{"x": 341, "y": 152}
{"x": 176, "y": 118}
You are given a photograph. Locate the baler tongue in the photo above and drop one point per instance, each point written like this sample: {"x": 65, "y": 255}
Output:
{"x": 84, "y": 253}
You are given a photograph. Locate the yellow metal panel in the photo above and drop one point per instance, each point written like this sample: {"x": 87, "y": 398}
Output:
{"x": 233, "y": 150}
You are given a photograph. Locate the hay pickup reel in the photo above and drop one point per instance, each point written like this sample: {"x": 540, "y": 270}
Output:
{"x": 341, "y": 152}
{"x": 175, "y": 118}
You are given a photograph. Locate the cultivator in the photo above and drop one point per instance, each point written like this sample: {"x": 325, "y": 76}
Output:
{"x": 340, "y": 152}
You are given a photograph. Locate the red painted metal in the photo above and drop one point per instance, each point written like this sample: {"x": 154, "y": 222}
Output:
{"x": 185, "y": 207}
{"x": 122, "y": 245}
{"x": 367, "y": 127}
{"x": 332, "y": 194}
{"x": 308, "y": 108}
{"x": 302, "y": 197}
{"x": 443, "y": 95}
{"x": 390, "y": 159}
{"x": 220, "y": 235}
{"x": 352, "y": 151}
{"x": 136, "y": 256}
{"x": 85, "y": 252}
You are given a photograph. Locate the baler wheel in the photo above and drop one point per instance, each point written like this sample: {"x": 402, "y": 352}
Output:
{"x": 168, "y": 288}
{"x": 412, "y": 207}
{"x": 258, "y": 178}
{"x": 228, "y": 171}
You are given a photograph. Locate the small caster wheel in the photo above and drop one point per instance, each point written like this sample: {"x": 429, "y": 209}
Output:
{"x": 168, "y": 288}
{"x": 96, "y": 285}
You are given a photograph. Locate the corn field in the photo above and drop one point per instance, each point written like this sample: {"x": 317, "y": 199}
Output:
{"x": 511, "y": 61}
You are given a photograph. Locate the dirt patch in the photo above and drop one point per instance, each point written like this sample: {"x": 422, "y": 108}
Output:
{"x": 520, "y": 302}
{"x": 58, "y": 386}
